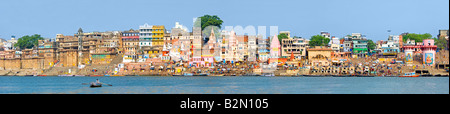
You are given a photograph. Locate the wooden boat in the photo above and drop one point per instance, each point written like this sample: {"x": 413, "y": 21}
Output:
{"x": 201, "y": 74}
{"x": 95, "y": 84}
{"x": 364, "y": 76}
{"x": 188, "y": 74}
{"x": 217, "y": 75}
{"x": 268, "y": 74}
{"x": 411, "y": 74}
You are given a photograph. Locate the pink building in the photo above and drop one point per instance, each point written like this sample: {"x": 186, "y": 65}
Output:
{"x": 275, "y": 48}
{"x": 428, "y": 52}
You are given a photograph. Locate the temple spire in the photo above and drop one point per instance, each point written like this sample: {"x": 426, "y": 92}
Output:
{"x": 80, "y": 30}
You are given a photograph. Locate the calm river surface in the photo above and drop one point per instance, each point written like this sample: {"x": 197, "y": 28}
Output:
{"x": 225, "y": 85}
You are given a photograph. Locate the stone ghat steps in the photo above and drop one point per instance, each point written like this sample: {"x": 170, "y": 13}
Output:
{"x": 54, "y": 71}
{"x": 101, "y": 68}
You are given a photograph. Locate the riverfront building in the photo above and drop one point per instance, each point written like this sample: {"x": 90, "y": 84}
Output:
{"x": 130, "y": 45}
{"x": 275, "y": 50}
{"x": 319, "y": 56}
{"x": 429, "y": 52}
{"x": 295, "y": 46}
{"x": 151, "y": 40}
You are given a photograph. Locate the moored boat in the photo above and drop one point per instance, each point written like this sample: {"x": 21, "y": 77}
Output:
{"x": 411, "y": 74}
{"x": 216, "y": 75}
{"x": 188, "y": 74}
{"x": 202, "y": 74}
{"x": 268, "y": 74}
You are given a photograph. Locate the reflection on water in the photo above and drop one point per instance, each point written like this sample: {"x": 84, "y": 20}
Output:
{"x": 226, "y": 85}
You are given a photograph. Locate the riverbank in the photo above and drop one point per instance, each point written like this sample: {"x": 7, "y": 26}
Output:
{"x": 225, "y": 85}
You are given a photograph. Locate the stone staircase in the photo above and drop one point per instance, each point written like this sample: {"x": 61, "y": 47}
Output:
{"x": 102, "y": 69}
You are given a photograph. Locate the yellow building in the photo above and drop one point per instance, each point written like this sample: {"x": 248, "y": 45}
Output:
{"x": 158, "y": 35}
{"x": 319, "y": 56}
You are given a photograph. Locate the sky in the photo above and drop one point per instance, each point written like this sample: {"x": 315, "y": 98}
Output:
{"x": 303, "y": 18}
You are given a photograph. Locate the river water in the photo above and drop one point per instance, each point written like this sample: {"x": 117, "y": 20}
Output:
{"x": 225, "y": 85}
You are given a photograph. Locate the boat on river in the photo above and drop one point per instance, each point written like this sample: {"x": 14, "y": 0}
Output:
{"x": 188, "y": 74}
{"x": 411, "y": 74}
{"x": 93, "y": 84}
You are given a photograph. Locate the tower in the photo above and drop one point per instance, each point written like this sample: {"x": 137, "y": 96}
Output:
{"x": 80, "y": 45}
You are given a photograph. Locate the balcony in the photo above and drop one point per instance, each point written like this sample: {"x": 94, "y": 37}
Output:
{"x": 69, "y": 45}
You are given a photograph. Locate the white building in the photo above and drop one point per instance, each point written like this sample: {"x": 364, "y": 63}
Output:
{"x": 145, "y": 35}
{"x": 252, "y": 48}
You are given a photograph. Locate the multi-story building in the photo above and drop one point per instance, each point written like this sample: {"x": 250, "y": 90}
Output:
{"x": 319, "y": 55}
{"x": 335, "y": 44}
{"x": 263, "y": 48}
{"x": 347, "y": 44}
{"x": 296, "y": 46}
{"x": 9, "y": 45}
{"x": 252, "y": 48}
{"x": 242, "y": 48}
{"x": 180, "y": 42}
{"x": 359, "y": 45}
{"x": 130, "y": 44}
{"x": 48, "y": 52}
{"x": 151, "y": 40}
{"x": 391, "y": 45}
{"x": 87, "y": 48}
{"x": 196, "y": 47}
{"x": 232, "y": 47}
{"x": 208, "y": 50}
{"x": 67, "y": 52}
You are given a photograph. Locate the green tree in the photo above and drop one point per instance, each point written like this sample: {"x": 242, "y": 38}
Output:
{"x": 318, "y": 40}
{"x": 371, "y": 45}
{"x": 282, "y": 36}
{"x": 440, "y": 43}
{"x": 416, "y": 37}
{"x": 208, "y": 20}
{"x": 27, "y": 42}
